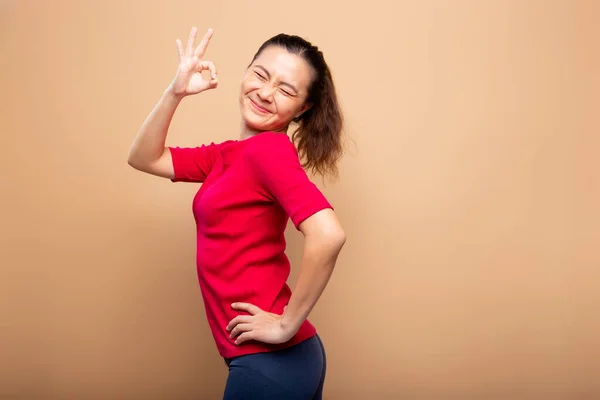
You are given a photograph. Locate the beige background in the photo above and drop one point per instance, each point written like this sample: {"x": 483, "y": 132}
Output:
{"x": 469, "y": 195}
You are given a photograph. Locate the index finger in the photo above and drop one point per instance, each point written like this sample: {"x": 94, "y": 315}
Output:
{"x": 203, "y": 43}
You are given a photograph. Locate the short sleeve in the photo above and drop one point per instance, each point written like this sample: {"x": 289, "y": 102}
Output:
{"x": 278, "y": 170}
{"x": 193, "y": 164}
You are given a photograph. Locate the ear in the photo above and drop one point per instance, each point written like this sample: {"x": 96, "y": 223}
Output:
{"x": 304, "y": 109}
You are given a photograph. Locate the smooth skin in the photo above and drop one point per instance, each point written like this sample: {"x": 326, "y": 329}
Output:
{"x": 273, "y": 93}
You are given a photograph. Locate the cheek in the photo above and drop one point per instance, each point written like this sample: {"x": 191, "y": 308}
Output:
{"x": 244, "y": 87}
{"x": 287, "y": 106}
{"x": 248, "y": 85}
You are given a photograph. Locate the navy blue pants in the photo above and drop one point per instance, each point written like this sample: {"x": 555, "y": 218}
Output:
{"x": 295, "y": 373}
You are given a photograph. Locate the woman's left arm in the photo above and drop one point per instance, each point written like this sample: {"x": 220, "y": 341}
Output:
{"x": 323, "y": 241}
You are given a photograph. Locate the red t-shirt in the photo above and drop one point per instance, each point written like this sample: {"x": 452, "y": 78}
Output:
{"x": 250, "y": 189}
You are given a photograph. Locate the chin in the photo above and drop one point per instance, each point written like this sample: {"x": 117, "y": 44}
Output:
{"x": 254, "y": 121}
{"x": 254, "y": 126}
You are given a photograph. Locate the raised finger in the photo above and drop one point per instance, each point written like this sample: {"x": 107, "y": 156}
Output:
{"x": 190, "y": 43}
{"x": 179, "y": 49}
{"x": 203, "y": 44}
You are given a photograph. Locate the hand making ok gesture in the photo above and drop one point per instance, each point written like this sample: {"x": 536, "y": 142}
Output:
{"x": 189, "y": 79}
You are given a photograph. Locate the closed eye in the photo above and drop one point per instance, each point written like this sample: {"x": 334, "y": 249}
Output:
{"x": 260, "y": 75}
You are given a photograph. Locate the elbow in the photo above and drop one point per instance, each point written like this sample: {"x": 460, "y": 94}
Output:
{"x": 323, "y": 231}
{"x": 131, "y": 158}
{"x": 340, "y": 238}
{"x": 327, "y": 241}
{"x": 133, "y": 161}
{"x": 336, "y": 239}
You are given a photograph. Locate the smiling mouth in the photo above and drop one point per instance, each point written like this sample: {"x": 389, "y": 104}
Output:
{"x": 259, "y": 108}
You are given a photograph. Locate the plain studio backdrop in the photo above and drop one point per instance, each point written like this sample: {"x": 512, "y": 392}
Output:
{"x": 469, "y": 194}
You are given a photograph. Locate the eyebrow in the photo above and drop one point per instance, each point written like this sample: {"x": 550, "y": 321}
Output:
{"x": 281, "y": 82}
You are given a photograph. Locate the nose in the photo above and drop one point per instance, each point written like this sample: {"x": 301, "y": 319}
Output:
{"x": 265, "y": 92}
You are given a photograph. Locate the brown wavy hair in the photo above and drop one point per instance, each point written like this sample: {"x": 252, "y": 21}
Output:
{"x": 318, "y": 136}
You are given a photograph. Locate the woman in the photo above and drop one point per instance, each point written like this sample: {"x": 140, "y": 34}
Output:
{"x": 250, "y": 188}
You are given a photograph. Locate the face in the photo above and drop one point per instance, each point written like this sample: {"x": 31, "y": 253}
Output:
{"x": 274, "y": 90}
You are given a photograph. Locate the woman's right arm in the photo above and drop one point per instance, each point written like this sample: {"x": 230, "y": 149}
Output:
{"x": 148, "y": 152}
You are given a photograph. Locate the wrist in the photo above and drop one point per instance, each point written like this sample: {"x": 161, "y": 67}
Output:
{"x": 290, "y": 325}
{"x": 170, "y": 94}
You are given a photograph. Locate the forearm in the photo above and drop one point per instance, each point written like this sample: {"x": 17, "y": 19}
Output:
{"x": 149, "y": 143}
{"x": 317, "y": 265}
